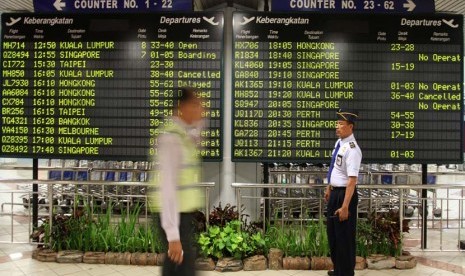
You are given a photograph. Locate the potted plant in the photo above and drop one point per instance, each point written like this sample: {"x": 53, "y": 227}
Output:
{"x": 318, "y": 245}
{"x": 102, "y": 240}
{"x": 228, "y": 244}
{"x": 255, "y": 252}
{"x": 291, "y": 242}
{"x": 275, "y": 240}
{"x": 383, "y": 241}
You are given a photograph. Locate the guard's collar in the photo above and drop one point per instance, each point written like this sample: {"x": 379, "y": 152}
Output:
{"x": 348, "y": 139}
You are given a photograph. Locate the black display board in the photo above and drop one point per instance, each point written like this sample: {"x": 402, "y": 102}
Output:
{"x": 99, "y": 86}
{"x": 292, "y": 72}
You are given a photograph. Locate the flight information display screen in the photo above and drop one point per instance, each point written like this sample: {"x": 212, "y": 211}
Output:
{"x": 403, "y": 74}
{"x": 100, "y": 86}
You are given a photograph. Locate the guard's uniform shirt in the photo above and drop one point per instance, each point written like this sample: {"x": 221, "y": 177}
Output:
{"x": 347, "y": 163}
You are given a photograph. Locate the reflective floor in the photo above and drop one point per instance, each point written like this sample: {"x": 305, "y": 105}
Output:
{"x": 15, "y": 260}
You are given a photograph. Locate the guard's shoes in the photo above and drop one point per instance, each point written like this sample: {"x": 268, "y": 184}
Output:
{"x": 330, "y": 272}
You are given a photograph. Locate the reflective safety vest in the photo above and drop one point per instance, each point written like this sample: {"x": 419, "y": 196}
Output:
{"x": 189, "y": 198}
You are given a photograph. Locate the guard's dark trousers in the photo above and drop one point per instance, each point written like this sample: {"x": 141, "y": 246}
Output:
{"x": 341, "y": 235}
{"x": 187, "y": 234}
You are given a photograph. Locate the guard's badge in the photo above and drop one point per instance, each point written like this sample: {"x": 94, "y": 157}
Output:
{"x": 352, "y": 145}
{"x": 339, "y": 160}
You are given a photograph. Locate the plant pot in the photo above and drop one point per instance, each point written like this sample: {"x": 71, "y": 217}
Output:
{"x": 360, "y": 263}
{"x": 143, "y": 258}
{"x": 204, "y": 264}
{"x": 94, "y": 258}
{"x": 118, "y": 258}
{"x": 255, "y": 263}
{"x": 406, "y": 262}
{"x": 70, "y": 256}
{"x": 47, "y": 255}
{"x": 110, "y": 257}
{"x": 152, "y": 259}
{"x": 160, "y": 259}
{"x": 275, "y": 259}
{"x": 228, "y": 265}
{"x": 378, "y": 262}
{"x": 35, "y": 252}
{"x": 321, "y": 263}
{"x": 296, "y": 263}
{"x": 124, "y": 258}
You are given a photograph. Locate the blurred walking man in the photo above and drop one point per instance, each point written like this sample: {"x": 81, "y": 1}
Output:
{"x": 178, "y": 169}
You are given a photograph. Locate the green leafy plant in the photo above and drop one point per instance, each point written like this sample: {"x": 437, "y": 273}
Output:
{"x": 364, "y": 234}
{"x": 256, "y": 244}
{"x": 205, "y": 241}
{"x": 380, "y": 234}
{"x": 294, "y": 247}
{"x": 285, "y": 238}
{"x": 316, "y": 239}
{"x": 128, "y": 240}
{"x": 86, "y": 231}
{"x": 297, "y": 241}
{"x": 230, "y": 241}
{"x": 276, "y": 237}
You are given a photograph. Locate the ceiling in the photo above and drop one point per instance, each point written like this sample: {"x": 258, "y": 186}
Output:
{"x": 453, "y": 6}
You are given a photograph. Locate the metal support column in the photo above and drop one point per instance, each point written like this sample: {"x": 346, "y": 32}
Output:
{"x": 35, "y": 194}
{"x": 266, "y": 192}
{"x": 424, "y": 206}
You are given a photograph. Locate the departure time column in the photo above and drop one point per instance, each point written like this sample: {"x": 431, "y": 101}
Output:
{"x": 279, "y": 104}
{"x": 43, "y": 98}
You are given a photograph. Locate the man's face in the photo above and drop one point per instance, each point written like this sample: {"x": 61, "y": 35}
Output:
{"x": 343, "y": 129}
{"x": 192, "y": 110}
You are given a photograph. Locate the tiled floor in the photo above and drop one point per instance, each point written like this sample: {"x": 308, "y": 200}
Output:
{"x": 14, "y": 264}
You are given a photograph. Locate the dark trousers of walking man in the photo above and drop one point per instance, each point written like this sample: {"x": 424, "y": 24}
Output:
{"x": 341, "y": 234}
{"x": 187, "y": 235}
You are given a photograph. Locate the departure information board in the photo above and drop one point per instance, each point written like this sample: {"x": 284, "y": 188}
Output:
{"x": 292, "y": 72}
{"x": 100, "y": 86}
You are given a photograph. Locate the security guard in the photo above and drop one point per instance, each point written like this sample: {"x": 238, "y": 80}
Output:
{"x": 341, "y": 195}
{"x": 178, "y": 170}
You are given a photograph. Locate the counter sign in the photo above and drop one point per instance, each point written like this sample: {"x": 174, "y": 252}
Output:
{"x": 90, "y": 6}
{"x": 351, "y": 6}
